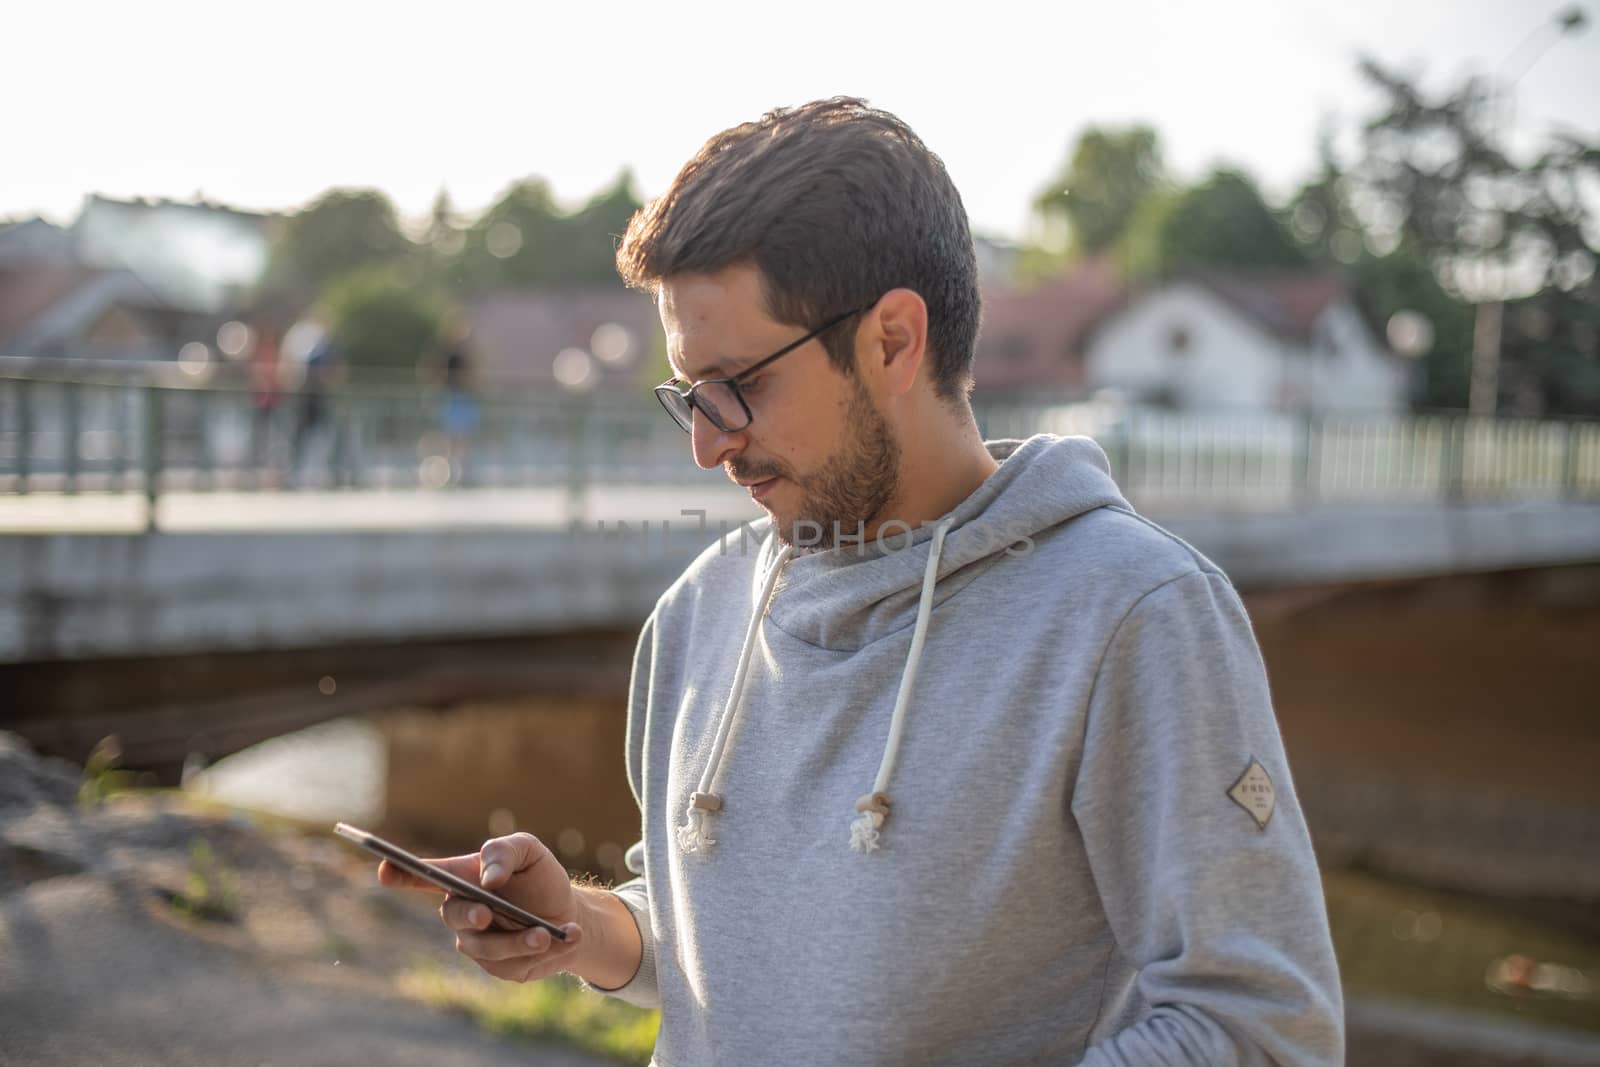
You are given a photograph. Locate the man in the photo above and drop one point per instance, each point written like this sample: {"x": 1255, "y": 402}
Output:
{"x": 961, "y": 761}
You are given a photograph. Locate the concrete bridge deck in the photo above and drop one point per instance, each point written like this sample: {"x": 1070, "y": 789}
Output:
{"x": 79, "y": 577}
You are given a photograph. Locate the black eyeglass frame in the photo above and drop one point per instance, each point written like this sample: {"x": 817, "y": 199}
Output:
{"x": 669, "y": 394}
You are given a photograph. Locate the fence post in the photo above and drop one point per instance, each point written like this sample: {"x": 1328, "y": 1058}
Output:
{"x": 24, "y": 432}
{"x": 74, "y": 425}
{"x": 205, "y": 475}
{"x": 355, "y": 429}
{"x": 1122, "y": 454}
{"x": 153, "y": 452}
{"x": 1454, "y": 458}
{"x": 577, "y": 457}
{"x": 1310, "y": 473}
{"x": 1569, "y": 460}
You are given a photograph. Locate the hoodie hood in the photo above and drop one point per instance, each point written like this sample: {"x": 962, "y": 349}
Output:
{"x": 846, "y": 597}
{"x": 850, "y": 596}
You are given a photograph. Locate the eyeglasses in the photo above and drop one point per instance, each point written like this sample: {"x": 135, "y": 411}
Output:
{"x": 719, "y": 399}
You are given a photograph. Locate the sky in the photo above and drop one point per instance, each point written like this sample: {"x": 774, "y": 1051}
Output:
{"x": 266, "y": 105}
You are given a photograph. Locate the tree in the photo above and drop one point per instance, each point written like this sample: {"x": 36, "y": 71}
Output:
{"x": 1096, "y": 194}
{"x": 597, "y": 228}
{"x": 1436, "y": 179}
{"x": 1223, "y": 221}
{"x": 1390, "y": 278}
{"x": 341, "y": 231}
{"x": 1320, "y": 215}
{"x": 1403, "y": 281}
{"x": 526, "y": 239}
{"x": 383, "y": 321}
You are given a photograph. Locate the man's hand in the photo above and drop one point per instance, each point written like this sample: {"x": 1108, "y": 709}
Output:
{"x": 522, "y": 870}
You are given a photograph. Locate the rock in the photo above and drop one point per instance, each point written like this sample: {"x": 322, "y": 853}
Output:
{"x": 27, "y": 779}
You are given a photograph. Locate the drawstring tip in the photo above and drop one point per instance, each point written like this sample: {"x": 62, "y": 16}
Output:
{"x": 864, "y": 833}
{"x": 871, "y": 812}
{"x": 694, "y": 835}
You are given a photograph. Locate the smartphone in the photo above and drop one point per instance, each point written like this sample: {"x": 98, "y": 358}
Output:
{"x": 504, "y": 914}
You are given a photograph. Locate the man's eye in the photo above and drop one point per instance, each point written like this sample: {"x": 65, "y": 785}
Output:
{"x": 753, "y": 385}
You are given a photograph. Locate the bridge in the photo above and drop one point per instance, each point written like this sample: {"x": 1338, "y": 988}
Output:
{"x": 165, "y": 516}
{"x": 193, "y": 578}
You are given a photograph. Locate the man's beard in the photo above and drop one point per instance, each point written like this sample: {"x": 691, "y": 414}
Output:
{"x": 851, "y": 487}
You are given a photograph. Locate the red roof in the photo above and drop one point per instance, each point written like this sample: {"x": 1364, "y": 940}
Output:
{"x": 29, "y": 291}
{"x": 1287, "y": 304}
{"x": 1033, "y": 337}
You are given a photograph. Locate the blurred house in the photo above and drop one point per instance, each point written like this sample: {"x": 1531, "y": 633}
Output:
{"x": 196, "y": 255}
{"x": 33, "y": 241}
{"x": 58, "y": 312}
{"x": 129, "y": 280}
{"x": 600, "y": 339}
{"x": 1033, "y": 336}
{"x": 1212, "y": 340}
{"x": 997, "y": 259}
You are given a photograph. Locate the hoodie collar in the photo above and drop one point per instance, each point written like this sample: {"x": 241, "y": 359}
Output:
{"x": 849, "y": 596}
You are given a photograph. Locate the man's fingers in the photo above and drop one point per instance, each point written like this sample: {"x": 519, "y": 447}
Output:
{"x": 491, "y": 946}
{"x": 504, "y": 856}
{"x": 502, "y": 947}
{"x": 460, "y": 866}
{"x": 524, "y": 969}
{"x": 459, "y": 914}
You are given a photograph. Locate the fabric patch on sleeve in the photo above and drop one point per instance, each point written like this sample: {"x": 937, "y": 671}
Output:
{"x": 1253, "y": 792}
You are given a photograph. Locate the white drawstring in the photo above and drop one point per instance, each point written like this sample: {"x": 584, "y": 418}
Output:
{"x": 873, "y": 809}
{"x": 694, "y": 835}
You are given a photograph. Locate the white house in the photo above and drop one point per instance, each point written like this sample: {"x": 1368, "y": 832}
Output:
{"x": 1211, "y": 341}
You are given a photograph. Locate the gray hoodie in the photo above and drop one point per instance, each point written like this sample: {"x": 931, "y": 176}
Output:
{"x": 1077, "y": 841}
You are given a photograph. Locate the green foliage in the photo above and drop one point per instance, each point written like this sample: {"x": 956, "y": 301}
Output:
{"x": 341, "y": 231}
{"x": 384, "y": 320}
{"x": 1403, "y": 281}
{"x": 1550, "y": 359}
{"x": 211, "y": 892}
{"x": 525, "y": 239}
{"x": 1223, "y": 221}
{"x": 101, "y": 777}
{"x": 1435, "y": 176}
{"x": 1321, "y": 217}
{"x": 1097, "y": 193}
{"x": 552, "y": 1009}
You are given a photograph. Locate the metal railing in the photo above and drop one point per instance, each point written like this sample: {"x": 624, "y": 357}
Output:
{"x": 75, "y": 435}
{"x": 1242, "y": 460}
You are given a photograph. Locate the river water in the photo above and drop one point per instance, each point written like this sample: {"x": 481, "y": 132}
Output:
{"x": 330, "y": 772}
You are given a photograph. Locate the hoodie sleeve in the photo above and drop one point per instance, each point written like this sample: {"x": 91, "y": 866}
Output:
{"x": 1198, "y": 846}
{"x": 641, "y": 989}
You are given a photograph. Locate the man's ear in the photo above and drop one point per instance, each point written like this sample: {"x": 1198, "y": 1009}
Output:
{"x": 895, "y": 333}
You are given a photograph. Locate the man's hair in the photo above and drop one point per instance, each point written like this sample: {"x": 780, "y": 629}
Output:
{"x": 835, "y": 203}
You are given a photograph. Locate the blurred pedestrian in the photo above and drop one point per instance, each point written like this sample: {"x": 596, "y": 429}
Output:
{"x": 314, "y": 432}
{"x": 266, "y": 393}
{"x": 459, "y": 415}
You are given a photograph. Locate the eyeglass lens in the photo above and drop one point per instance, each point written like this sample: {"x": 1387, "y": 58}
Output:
{"x": 715, "y": 399}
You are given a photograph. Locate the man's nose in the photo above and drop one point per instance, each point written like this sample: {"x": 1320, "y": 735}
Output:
{"x": 713, "y": 446}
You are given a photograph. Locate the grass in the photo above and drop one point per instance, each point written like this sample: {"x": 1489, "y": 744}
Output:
{"x": 556, "y": 1009}
{"x": 101, "y": 777}
{"x": 211, "y": 892}
{"x": 1398, "y": 940}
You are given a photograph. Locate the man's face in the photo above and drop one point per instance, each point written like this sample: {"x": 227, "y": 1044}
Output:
{"x": 817, "y": 450}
